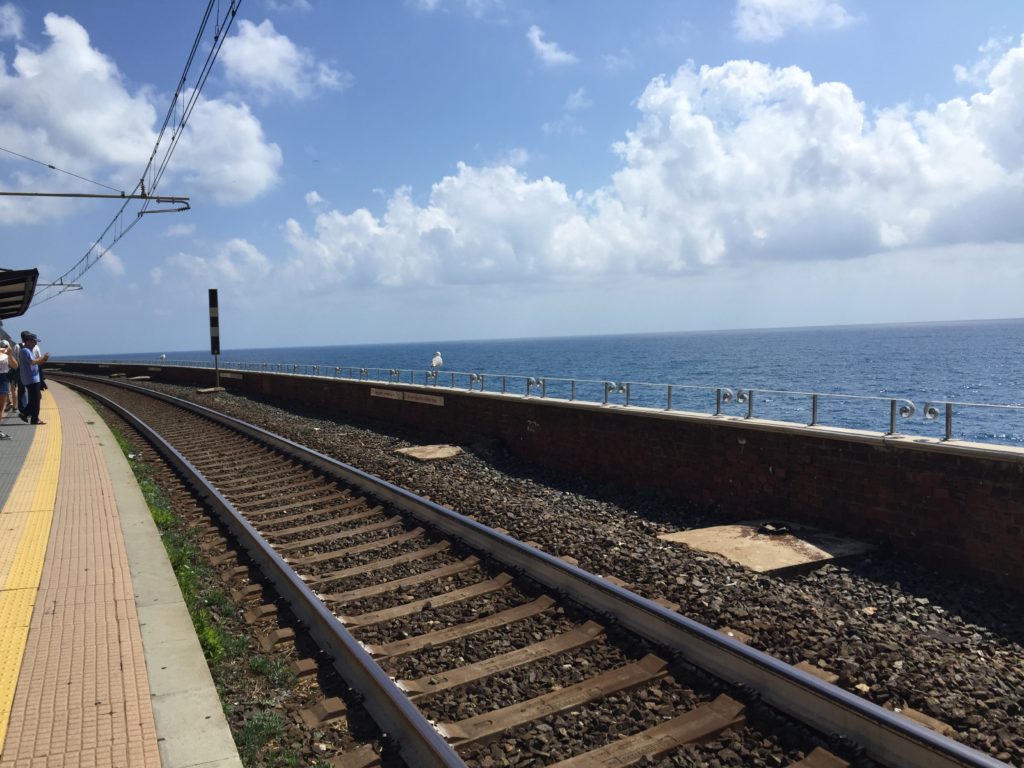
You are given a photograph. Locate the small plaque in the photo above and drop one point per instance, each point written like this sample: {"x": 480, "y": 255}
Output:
{"x": 416, "y": 397}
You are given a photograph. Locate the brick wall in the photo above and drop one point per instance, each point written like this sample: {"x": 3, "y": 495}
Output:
{"x": 951, "y": 505}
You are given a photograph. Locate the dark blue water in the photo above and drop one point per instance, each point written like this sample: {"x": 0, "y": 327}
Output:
{"x": 968, "y": 363}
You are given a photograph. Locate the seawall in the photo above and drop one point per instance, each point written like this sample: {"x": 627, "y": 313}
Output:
{"x": 952, "y": 505}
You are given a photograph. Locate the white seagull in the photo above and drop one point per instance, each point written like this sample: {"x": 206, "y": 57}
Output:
{"x": 437, "y": 362}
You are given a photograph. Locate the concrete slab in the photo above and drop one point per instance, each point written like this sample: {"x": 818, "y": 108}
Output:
{"x": 430, "y": 452}
{"x": 770, "y": 547}
{"x": 190, "y": 724}
{"x": 193, "y": 736}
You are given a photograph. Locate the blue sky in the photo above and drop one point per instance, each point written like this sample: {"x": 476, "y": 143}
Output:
{"x": 426, "y": 170}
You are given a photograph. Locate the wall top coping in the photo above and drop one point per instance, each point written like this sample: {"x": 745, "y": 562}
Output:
{"x": 880, "y": 440}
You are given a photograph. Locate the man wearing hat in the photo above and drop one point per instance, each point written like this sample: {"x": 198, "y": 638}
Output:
{"x": 29, "y": 360}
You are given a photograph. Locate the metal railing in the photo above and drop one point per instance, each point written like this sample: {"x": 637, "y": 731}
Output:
{"x": 790, "y": 406}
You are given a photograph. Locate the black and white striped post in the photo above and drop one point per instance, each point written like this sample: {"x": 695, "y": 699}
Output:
{"x": 215, "y": 335}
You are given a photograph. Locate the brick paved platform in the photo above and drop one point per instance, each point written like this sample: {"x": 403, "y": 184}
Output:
{"x": 99, "y": 665}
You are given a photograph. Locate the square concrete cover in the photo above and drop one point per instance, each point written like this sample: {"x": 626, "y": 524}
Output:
{"x": 431, "y": 452}
{"x": 743, "y": 543}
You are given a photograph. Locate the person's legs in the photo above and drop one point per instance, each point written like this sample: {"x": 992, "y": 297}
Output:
{"x": 22, "y": 398}
{"x": 32, "y": 409}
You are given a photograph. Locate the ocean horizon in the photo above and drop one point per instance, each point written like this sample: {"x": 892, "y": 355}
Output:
{"x": 976, "y": 363}
{"x": 772, "y": 329}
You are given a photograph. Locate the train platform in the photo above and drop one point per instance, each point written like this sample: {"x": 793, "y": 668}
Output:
{"x": 99, "y": 662}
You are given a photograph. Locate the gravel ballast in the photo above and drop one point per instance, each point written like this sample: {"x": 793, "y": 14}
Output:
{"x": 895, "y": 633}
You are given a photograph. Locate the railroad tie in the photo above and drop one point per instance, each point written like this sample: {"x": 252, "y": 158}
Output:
{"x": 489, "y": 724}
{"x": 700, "y": 724}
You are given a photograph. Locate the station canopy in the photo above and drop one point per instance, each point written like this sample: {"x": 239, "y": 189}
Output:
{"x": 17, "y": 287}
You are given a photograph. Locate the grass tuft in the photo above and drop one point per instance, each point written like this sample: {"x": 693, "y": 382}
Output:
{"x": 240, "y": 677}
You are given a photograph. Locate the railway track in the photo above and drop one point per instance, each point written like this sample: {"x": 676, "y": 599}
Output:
{"x": 458, "y": 638}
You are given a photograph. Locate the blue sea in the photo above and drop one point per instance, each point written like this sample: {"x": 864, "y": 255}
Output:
{"x": 856, "y": 371}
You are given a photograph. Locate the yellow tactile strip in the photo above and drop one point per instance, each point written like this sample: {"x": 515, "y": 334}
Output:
{"x": 25, "y": 520}
{"x": 83, "y": 694}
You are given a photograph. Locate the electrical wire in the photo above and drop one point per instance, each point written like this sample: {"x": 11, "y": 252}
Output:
{"x": 68, "y": 281}
{"x": 55, "y": 168}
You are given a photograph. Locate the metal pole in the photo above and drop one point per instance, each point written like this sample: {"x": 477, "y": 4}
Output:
{"x": 215, "y": 335}
{"x": 949, "y": 421}
{"x": 750, "y": 403}
{"x": 892, "y": 417}
{"x": 814, "y": 410}
{"x": 668, "y": 406}
{"x": 572, "y": 392}
{"x": 718, "y": 402}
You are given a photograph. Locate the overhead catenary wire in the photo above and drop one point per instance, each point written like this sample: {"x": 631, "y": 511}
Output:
{"x": 60, "y": 170}
{"x": 154, "y": 170}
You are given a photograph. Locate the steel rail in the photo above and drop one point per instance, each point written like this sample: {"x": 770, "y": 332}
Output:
{"x": 886, "y": 737}
{"x": 419, "y": 741}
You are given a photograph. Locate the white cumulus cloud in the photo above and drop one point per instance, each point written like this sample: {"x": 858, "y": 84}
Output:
{"x": 225, "y": 153}
{"x": 550, "y": 54}
{"x": 516, "y": 157}
{"x": 618, "y": 62}
{"x": 989, "y": 53}
{"x": 577, "y": 100}
{"x": 289, "y": 6}
{"x": 237, "y": 261}
{"x": 738, "y": 164}
{"x": 179, "y": 230}
{"x": 473, "y": 7}
{"x": 67, "y": 102}
{"x": 261, "y": 59}
{"x": 11, "y": 26}
{"x": 767, "y": 20}
{"x": 112, "y": 264}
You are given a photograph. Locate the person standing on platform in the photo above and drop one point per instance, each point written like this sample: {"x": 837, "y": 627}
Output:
{"x": 8, "y": 365}
{"x": 36, "y": 352}
{"x": 21, "y": 400}
{"x": 28, "y": 369}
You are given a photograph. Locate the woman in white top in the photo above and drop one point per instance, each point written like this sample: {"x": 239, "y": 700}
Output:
{"x": 8, "y": 361}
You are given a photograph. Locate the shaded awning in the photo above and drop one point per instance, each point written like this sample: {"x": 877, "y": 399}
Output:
{"x": 17, "y": 287}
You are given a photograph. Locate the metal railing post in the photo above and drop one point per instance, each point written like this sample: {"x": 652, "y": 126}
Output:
{"x": 899, "y": 408}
